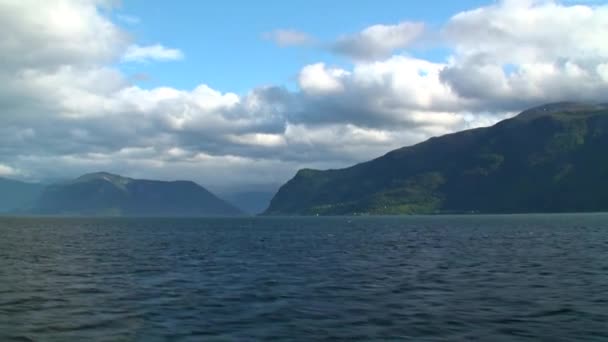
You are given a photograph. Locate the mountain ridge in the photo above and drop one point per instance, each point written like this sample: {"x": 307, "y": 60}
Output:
{"x": 517, "y": 165}
{"x": 107, "y": 194}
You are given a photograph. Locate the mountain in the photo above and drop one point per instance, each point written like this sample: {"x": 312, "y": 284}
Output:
{"x": 550, "y": 158}
{"x": 15, "y": 195}
{"x": 106, "y": 194}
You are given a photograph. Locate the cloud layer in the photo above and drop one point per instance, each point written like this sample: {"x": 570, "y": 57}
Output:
{"x": 68, "y": 110}
{"x": 378, "y": 41}
{"x": 157, "y": 52}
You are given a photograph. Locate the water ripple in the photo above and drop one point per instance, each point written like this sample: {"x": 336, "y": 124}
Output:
{"x": 497, "y": 278}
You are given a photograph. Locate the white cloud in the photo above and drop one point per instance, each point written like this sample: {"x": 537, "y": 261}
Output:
{"x": 259, "y": 139}
{"x": 378, "y": 41}
{"x": 553, "y": 52}
{"x": 525, "y": 31}
{"x": 156, "y": 52}
{"x": 288, "y": 37}
{"x": 68, "y": 110}
{"x": 6, "y": 170}
{"x": 316, "y": 79}
{"x": 56, "y": 32}
{"x": 602, "y": 71}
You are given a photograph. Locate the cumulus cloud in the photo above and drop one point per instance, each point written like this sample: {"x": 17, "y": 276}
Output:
{"x": 401, "y": 93}
{"x": 516, "y": 53}
{"x": 378, "y": 41}
{"x": 319, "y": 80}
{"x": 68, "y": 110}
{"x": 53, "y": 33}
{"x": 288, "y": 37}
{"x": 156, "y": 52}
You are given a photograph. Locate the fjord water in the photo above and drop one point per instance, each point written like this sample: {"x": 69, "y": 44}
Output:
{"x": 493, "y": 278}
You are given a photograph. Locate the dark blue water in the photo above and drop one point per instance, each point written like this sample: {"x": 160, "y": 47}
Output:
{"x": 487, "y": 278}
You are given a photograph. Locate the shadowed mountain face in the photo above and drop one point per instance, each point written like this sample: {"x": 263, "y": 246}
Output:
{"x": 547, "y": 159}
{"x": 107, "y": 194}
{"x": 15, "y": 195}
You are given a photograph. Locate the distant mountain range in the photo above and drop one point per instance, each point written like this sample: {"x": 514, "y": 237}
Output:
{"x": 252, "y": 202}
{"x": 552, "y": 158}
{"x": 106, "y": 194}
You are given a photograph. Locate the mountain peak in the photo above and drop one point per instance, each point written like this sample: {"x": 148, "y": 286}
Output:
{"x": 115, "y": 179}
{"x": 101, "y": 174}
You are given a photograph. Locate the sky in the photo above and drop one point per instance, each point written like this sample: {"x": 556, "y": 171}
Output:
{"x": 241, "y": 94}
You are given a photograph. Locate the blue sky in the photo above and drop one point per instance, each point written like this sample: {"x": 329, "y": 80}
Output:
{"x": 223, "y": 45}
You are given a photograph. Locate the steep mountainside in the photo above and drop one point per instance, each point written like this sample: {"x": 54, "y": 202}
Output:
{"x": 107, "y": 194}
{"x": 547, "y": 159}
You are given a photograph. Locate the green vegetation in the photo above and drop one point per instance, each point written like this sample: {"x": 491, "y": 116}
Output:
{"x": 547, "y": 159}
